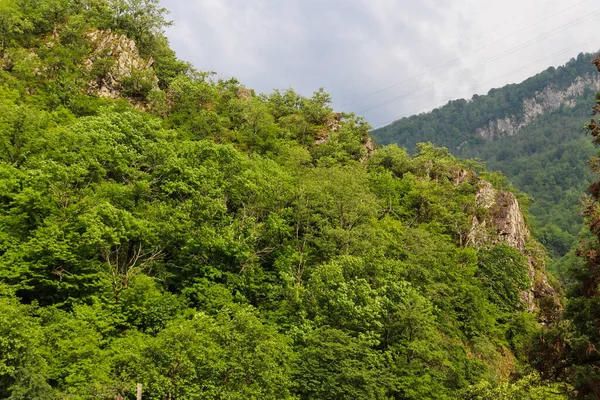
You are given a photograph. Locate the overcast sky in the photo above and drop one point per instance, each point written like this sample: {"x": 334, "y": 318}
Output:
{"x": 425, "y": 52}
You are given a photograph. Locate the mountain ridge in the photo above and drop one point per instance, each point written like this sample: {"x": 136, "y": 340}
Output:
{"x": 526, "y": 131}
{"x": 572, "y": 81}
{"x": 548, "y": 100}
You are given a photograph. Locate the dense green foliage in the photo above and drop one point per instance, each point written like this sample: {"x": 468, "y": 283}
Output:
{"x": 211, "y": 243}
{"x": 568, "y": 349}
{"x": 546, "y": 159}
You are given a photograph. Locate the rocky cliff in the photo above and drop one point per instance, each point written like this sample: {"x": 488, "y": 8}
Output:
{"x": 505, "y": 224}
{"x": 547, "y": 100}
{"x": 118, "y": 69}
{"x": 531, "y": 131}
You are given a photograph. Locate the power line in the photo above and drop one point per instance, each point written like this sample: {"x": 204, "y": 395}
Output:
{"x": 464, "y": 55}
{"x": 472, "y": 89}
{"x": 498, "y": 56}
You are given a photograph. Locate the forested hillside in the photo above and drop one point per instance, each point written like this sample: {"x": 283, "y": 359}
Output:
{"x": 164, "y": 227}
{"x": 532, "y": 132}
{"x": 567, "y": 349}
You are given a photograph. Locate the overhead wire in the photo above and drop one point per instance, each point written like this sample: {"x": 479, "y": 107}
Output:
{"x": 569, "y": 25}
{"x": 473, "y": 88}
{"x": 466, "y": 54}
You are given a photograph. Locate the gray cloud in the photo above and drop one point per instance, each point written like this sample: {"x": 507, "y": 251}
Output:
{"x": 354, "y": 48}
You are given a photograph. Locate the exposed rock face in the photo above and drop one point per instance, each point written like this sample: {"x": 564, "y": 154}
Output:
{"x": 461, "y": 176}
{"x": 547, "y": 100}
{"x": 486, "y": 195}
{"x": 120, "y": 58}
{"x": 506, "y": 224}
{"x": 244, "y": 94}
{"x": 369, "y": 147}
{"x": 508, "y": 220}
{"x": 332, "y": 124}
{"x": 505, "y": 219}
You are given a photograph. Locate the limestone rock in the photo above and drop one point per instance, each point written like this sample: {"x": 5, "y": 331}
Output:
{"x": 505, "y": 219}
{"x": 505, "y": 224}
{"x": 462, "y": 176}
{"x": 244, "y": 94}
{"x": 369, "y": 147}
{"x": 333, "y": 123}
{"x": 121, "y": 59}
{"x": 508, "y": 220}
{"x": 547, "y": 100}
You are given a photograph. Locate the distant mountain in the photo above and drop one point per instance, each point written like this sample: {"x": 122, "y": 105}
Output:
{"x": 532, "y": 132}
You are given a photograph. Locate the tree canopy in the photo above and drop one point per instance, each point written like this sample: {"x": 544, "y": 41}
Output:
{"x": 543, "y": 155}
{"x": 169, "y": 228}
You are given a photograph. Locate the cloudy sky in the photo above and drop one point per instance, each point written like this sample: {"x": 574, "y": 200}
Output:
{"x": 384, "y": 59}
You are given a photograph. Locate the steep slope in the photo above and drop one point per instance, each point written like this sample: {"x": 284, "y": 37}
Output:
{"x": 568, "y": 348}
{"x": 529, "y": 131}
{"x": 161, "y": 227}
{"x": 507, "y": 223}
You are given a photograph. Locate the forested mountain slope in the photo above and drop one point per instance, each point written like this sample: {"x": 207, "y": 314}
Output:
{"x": 532, "y": 132}
{"x": 568, "y": 347}
{"x": 162, "y": 227}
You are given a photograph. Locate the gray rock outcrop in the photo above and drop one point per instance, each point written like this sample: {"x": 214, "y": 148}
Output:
{"x": 548, "y": 100}
{"x": 119, "y": 59}
{"x": 506, "y": 224}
